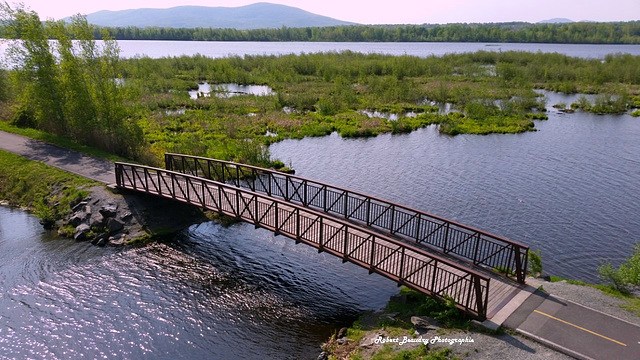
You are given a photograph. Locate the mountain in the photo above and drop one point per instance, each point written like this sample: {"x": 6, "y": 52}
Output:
{"x": 556, "y": 21}
{"x": 254, "y": 16}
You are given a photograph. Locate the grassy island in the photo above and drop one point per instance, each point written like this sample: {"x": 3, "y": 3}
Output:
{"x": 140, "y": 108}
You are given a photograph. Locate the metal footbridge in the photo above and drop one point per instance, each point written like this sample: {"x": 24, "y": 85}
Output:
{"x": 481, "y": 272}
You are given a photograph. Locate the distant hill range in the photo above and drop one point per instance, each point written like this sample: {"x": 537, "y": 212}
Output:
{"x": 254, "y": 16}
{"x": 556, "y": 21}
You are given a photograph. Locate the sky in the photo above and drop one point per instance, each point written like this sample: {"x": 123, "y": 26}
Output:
{"x": 385, "y": 11}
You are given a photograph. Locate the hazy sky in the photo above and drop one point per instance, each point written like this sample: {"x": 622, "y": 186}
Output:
{"x": 386, "y": 11}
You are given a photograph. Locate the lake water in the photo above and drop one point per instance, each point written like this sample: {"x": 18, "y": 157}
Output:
{"x": 211, "y": 293}
{"x": 569, "y": 189}
{"x": 217, "y": 49}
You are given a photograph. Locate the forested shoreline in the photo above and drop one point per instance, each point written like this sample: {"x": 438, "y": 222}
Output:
{"x": 512, "y": 32}
{"x": 578, "y": 33}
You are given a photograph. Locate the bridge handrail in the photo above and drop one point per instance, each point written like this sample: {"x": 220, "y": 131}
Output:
{"x": 517, "y": 258}
{"x": 476, "y": 277}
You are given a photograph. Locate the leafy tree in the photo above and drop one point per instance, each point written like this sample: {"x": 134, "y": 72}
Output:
{"x": 70, "y": 87}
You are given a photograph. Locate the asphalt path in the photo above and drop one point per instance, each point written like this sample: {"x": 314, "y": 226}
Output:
{"x": 90, "y": 167}
{"x": 575, "y": 329}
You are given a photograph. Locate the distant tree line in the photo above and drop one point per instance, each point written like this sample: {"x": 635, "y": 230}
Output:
{"x": 579, "y": 33}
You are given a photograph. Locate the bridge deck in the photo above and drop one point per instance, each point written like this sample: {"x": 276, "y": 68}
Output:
{"x": 404, "y": 263}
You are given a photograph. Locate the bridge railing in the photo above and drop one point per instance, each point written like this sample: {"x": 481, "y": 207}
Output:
{"x": 404, "y": 263}
{"x": 493, "y": 252}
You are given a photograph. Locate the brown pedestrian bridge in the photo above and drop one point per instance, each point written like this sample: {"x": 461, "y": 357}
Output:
{"x": 481, "y": 272}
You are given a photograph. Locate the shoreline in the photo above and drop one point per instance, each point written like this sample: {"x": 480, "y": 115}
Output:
{"x": 392, "y": 332}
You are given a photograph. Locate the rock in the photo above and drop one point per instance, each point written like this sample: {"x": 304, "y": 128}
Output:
{"x": 102, "y": 240}
{"x": 390, "y": 316}
{"x": 117, "y": 240}
{"x": 126, "y": 216}
{"x": 544, "y": 277}
{"x": 323, "y": 356}
{"x": 424, "y": 322}
{"x": 97, "y": 220}
{"x": 399, "y": 298}
{"x": 95, "y": 202}
{"x": 4, "y": 203}
{"x": 342, "y": 333}
{"x": 79, "y": 206}
{"x": 77, "y": 219}
{"x": 109, "y": 210}
{"x": 113, "y": 226}
{"x": 369, "y": 340}
{"x": 81, "y": 232}
{"x": 343, "y": 341}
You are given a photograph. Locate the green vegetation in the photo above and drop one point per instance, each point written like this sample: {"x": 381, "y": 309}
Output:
{"x": 422, "y": 352}
{"x": 535, "y": 262}
{"x": 419, "y": 304}
{"x": 627, "y": 274}
{"x": 582, "y": 33}
{"x": 604, "y": 104}
{"x": 47, "y": 190}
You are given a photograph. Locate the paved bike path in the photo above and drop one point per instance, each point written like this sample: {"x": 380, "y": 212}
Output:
{"x": 90, "y": 167}
{"x": 575, "y": 329}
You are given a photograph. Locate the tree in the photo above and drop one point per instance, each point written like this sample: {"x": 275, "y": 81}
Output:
{"x": 77, "y": 93}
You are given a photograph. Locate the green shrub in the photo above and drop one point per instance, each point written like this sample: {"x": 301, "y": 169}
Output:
{"x": 627, "y": 274}
{"x": 535, "y": 262}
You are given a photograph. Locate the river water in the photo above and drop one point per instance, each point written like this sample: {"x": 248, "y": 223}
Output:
{"x": 211, "y": 293}
{"x": 570, "y": 189}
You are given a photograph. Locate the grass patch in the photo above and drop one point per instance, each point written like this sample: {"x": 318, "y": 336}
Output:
{"x": 48, "y": 191}
{"x": 421, "y": 352}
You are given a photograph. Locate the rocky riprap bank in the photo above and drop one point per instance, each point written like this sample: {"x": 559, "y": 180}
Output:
{"x": 106, "y": 216}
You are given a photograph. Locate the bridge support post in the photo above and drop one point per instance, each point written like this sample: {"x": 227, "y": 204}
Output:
{"x": 479, "y": 298}
{"x": 520, "y": 271}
